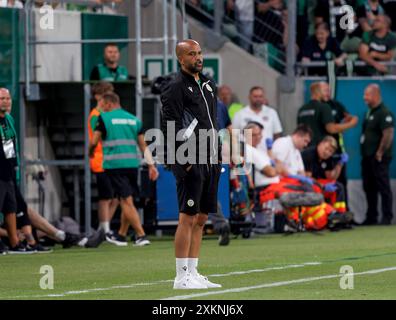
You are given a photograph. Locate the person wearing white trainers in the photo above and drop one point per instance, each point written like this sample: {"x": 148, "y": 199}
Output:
{"x": 189, "y": 102}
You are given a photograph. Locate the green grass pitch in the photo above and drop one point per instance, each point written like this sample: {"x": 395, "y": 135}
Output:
{"x": 300, "y": 266}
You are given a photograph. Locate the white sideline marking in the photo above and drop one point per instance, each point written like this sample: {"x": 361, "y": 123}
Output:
{"x": 275, "y": 284}
{"x": 75, "y": 292}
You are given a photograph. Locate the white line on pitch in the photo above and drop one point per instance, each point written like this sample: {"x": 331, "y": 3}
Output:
{"x": 275, "y": 284}
{"x": 75, "y": 292}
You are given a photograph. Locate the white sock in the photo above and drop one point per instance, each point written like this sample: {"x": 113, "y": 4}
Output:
{"x": 82, "y": 242}
{"x": 193, "y": 266}
{"x": 105, "y": 226}
{"x": 60, "y": 235}
{"x": 181, "y": 267}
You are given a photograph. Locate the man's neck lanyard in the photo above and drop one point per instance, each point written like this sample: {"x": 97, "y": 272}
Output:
{"x": 3, "y": 137}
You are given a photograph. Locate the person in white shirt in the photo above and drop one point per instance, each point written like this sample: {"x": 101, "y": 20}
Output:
{"x": 259, "y": 112}
{"x": 11, "y": 4}
{"x": 265, "y": 172}
{"x": 244, "y": 15}
{"x": 287, "y": 150}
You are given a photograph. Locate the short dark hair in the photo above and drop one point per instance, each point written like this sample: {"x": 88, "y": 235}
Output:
{"x": 302, "y": 130}
{"x": 111, "y": 97}
{"x": 111, "y": 44}
{"x": 323, "y": 25}
{"x": 101, "y": 88}
{"x": 255, "y": 88}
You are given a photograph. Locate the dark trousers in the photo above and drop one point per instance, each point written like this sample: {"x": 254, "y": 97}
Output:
{"x": 343, "y": 180}
{"x": 376, "y": 180}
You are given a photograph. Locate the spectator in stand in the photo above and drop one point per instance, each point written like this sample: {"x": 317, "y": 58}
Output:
{"x": 378, "y": 45}
{"x": 244, "y": 16}
{"x": 259, "y": 112}
{"x": 110, "y": 70}
{"x": 269, "y": 23}
{"x": 322, "y": 47}
{"x": 390, "y": 10}
{"x": 11, "y": 4}
{"x": 331, "y": 13}
{"x": 302, "y": 22}
{"x": 366, "y": 14}
{"x": 226, "y": 96}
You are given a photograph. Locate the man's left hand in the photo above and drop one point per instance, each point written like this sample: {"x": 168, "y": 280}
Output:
{"x": 378, "y": 156}
{"x": 153, "y": 173}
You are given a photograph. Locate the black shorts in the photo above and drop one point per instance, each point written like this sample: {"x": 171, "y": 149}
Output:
{"x": 21, "y": 212}
{"x": 8, "y": 202}
{"x": 197, "y": 188}
{"x": 105, "y": 190}
{"x": 124, "y": 182}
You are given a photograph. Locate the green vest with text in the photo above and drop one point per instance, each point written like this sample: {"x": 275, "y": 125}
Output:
{"x": 105, "y": 74}
{"x": 120, "y": 144}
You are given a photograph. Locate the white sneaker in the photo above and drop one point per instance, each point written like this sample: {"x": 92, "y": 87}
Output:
{"x": 116, "y": 239}
{"x": 204, "y": 280}
{"x": 188, "y": 282}
{"x": 142, "y": 241}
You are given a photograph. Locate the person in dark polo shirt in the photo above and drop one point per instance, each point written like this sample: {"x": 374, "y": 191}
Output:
{"x": 319, "y": 117}
{"x": 340, "y": 115}
{"x": 378, "y": 45}
{"x": 376, "y": 149}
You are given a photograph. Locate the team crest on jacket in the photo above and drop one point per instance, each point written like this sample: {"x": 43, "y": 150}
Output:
{"x": 190, "y": 202}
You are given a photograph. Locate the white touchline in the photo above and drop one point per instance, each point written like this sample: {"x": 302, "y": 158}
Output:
{"x": 128, "y": 286}
{"x": 275, "y": 284}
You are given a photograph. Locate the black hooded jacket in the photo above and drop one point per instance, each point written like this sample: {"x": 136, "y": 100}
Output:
{"x": 191, "y": 106}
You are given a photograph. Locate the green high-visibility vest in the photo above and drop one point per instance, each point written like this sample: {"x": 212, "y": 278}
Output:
{"x": 105, "y": 74}
{"x": 120, "y": 144}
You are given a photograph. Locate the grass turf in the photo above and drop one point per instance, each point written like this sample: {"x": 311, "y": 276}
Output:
{"x": 110, "y": 272}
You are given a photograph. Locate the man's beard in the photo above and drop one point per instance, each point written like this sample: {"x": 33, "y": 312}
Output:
{"x": 195, "y": 68}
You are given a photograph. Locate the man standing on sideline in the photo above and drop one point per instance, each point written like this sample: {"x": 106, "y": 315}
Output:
{"x": 110, "y": 70}
{"x": 106, "y": 204}
{"x": 121, "y": 133}
{"x": 319, "y": 117}
{"x": 376, "y": 149}
{"x": 8, "y": 167}
{"x": 340, "y": 115}
{"x": 258, "y": 111}
{"x": 189, "y": 102}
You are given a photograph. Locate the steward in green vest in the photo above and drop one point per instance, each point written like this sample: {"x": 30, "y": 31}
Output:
{"x": 121, "y": 133}
{"x": 120, "y": 143}
{"x": 110, "y": 70}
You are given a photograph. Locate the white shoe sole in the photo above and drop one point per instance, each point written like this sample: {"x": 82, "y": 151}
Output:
{"x": 117, "y": 243}
{"x": 143, "y": 243}
{"x": 20, "y": 253}
{"x": 191, "y": 287}
{"x": 192, "y": 284}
